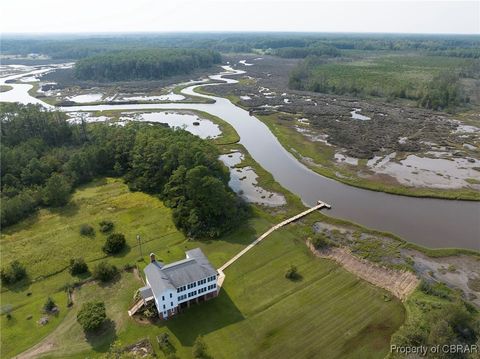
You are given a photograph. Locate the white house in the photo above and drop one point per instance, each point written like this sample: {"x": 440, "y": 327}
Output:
{"x": 177, "y": 285}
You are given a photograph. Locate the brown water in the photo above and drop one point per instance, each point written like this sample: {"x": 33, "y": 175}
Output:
{"x": 433, "y": 223}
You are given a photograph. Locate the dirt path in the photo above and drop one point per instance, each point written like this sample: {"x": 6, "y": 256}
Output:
{"x": 400, "y": 283}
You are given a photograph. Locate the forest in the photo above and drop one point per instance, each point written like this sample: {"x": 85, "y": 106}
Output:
{"x": 76, "y": 47}
{"x": 432, "y": 82}
{"x": 150, "y": 64}
{"x": 44, "y": 158}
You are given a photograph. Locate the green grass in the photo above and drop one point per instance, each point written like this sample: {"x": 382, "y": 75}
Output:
{"x": 259, "y": 313}
{"x": 323, "y": 156}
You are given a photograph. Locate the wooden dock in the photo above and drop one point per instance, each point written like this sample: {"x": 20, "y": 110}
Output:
{"x": 221, "y": 274}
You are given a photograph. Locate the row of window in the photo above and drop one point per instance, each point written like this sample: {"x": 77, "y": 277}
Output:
{"x": 194, "y": 293}
{"x": 194, "y": 284}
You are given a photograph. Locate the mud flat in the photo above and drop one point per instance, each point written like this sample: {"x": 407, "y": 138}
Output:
{"x": 243, "y": 180}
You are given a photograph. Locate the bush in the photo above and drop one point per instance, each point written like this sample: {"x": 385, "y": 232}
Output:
{"x": 437, "y": 289}
{"x": 106, "y": 226}
{"x": 114, "y": 244}
{"x": 292, "y": 273}
{"x": 87, "y": 230}
{"x": 78, "y": 266}
{"x": 165, "y": 345}
{"x": 319, "y": 241}
{"x": 49, "y": 305}
{"x": 200, "y": 349}
{"x": 104, "y": 272}
{"x": 13, "y": 273}
{"x": 91, "y": 315}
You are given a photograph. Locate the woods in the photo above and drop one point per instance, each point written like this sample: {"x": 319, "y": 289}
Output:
{"x": 149, "y": 64}
{"x": 41, "y": 165}
{"x": 433, "y": 82}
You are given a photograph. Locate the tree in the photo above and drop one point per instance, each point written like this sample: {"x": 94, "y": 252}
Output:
{"x": 292, "y": 273}
{"x": 78, "y": 266}
{"x": 104, "y": 271}
{"x": 92, "y": 315}
{"x": 114, "y": 244}
{"x": 57, "y": 190}
{"x": 49, "y": 305}
{"x": 13, "y": 273}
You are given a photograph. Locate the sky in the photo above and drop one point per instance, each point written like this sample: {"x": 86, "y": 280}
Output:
{"x": 392, "y": 16}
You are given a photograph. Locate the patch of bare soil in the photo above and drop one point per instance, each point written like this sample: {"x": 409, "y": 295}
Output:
{"x": 400, "y": 283}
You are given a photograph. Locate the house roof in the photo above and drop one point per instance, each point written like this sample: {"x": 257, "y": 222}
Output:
{"x": 174, "y": 275}
{"x": 146, "y": 292}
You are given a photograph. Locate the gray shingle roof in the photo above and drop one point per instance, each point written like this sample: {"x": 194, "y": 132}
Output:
{"x": 146, "y": 292}
{"x": 191, "y": 269}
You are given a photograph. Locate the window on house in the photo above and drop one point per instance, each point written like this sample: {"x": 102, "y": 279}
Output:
{"x": 164, "y": 306}
{"x": 170, "y": 295}
{"x": 163, "y": 297}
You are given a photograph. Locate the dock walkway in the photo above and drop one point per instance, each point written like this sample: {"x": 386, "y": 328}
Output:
{"x": 221, "y": 274}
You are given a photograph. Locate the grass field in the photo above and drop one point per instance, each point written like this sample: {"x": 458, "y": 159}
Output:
{"x": 329, "y": 312}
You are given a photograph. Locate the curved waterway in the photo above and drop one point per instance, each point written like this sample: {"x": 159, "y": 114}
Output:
{"x": 433, "y": 223}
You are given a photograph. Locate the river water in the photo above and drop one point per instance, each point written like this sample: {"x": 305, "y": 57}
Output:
{"x": 432, "y": 223}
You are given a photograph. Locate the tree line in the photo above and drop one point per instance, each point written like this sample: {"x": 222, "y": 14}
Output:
{"x": 44, "y": 158}
{"x": 443, "y": 92}
{"x": 77, "y": 48}
{"x": 149, "y": 64}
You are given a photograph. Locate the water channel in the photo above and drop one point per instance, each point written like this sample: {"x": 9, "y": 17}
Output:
{"x": 434, "y": 223}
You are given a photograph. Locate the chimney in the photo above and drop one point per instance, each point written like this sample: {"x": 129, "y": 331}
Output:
{"x": 152, "y": 257}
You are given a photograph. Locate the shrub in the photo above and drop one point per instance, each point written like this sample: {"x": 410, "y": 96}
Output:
{"x": 437, "y": 289}
{"x": 49, "y": 305}
{"x": 165, "y": 345}
{"x": 91, "y": 315}
{"x": 87, "y": 230}
{"x": 78, "y": 266}
{"x": 13, "y": 273}
{"x": 319, "y": 241}
{"x": 114, "y": 244}
{"x": 200, "y": 349}
{"x": 106, "y": 226}
{"x": 292, "y": 273}
{"x": 105, "y": 272}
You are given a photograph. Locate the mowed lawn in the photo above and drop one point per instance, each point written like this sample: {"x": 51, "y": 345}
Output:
{"x": 259, "y": 313}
